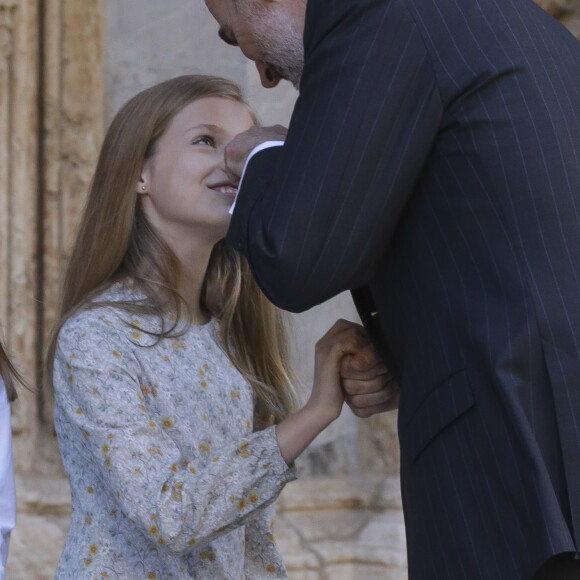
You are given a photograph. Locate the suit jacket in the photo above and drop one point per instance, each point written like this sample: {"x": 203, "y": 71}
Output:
{"x": 432, "y": 166}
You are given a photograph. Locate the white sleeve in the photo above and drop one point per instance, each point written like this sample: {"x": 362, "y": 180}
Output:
{"x": 7, "y": 489}
{"x": 255, "y": 150}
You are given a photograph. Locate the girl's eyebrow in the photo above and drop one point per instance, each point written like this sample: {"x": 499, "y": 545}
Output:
{"x": 207, "y": 126}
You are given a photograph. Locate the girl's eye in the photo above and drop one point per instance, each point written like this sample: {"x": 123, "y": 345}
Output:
{"x": 204, "y": 140}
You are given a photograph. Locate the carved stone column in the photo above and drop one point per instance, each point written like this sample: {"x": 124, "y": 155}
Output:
{"x": 51, "y": 120}
{"x": 50, "y": 131}
{"x": 72, "y": 118}
{"x": 19, "y": 204}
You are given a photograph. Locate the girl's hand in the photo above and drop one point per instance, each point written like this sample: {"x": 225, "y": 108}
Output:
{"x": 344, "y": 339}
{"x": 296, "y": 432}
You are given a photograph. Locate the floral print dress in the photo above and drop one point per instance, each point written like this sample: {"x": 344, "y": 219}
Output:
{"x": 169, "y": 477}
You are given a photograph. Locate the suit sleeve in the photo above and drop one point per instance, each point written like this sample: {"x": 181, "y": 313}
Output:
{"x": 315, "y": 217}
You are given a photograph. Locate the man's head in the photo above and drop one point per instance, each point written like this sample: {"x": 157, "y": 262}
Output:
{"x": 269, "y": 32}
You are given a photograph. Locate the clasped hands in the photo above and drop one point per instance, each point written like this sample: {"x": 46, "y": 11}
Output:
{"x": 368, "y": 386}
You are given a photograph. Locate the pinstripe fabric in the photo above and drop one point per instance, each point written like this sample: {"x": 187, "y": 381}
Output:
{"x": 432, "y": 166}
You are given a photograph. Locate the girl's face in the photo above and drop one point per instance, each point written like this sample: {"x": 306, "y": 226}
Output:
{"x": 186, "y": 193}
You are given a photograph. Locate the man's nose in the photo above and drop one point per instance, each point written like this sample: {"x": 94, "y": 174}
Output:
{"x": 268, "y": 74}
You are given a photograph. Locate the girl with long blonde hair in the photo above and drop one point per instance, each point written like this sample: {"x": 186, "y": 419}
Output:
{"x": 174, "y": 408}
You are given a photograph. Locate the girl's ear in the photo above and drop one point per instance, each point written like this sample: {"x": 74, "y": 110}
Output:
{"x": 142, "y": 186}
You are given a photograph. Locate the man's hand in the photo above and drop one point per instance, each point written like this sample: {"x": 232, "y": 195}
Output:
{"x": 368, "y": 385}
{"x": 238, "y": 149}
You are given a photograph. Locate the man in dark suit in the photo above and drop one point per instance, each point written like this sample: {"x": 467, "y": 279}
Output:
{"x": 432, "y": 167}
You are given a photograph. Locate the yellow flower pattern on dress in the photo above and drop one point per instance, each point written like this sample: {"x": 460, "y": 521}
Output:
{"x": 160, "y": 448}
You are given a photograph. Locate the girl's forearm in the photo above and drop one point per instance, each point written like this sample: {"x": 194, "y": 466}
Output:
{"x": 297, "y": 431}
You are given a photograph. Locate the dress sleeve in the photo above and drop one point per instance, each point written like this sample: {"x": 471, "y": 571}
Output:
{"x": 7, "y": 491}
{"x": 165, "y": 493}
{"x": 315, "y": 217}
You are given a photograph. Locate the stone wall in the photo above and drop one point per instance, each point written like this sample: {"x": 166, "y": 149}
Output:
{"x": 18, "y": 197}
{"x": 51, "y": 111}
{"x": 65, "y": 68}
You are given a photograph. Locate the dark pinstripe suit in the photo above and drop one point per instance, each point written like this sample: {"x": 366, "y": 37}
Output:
{"x": 432, "y": 165}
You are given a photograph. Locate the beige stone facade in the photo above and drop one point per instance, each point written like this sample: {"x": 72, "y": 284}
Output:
{"x": 51, "y": 118}
{"x": 65, "y": 67}
{"x": 18, "y": 195}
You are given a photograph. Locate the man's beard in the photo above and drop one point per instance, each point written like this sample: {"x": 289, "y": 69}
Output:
{"x": 279, "y": 42}
{"x": 283, "y": 48}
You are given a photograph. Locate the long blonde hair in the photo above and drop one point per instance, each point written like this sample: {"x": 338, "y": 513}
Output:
{"x": 9, "y": 374}
{"x": 115, "y": 242}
